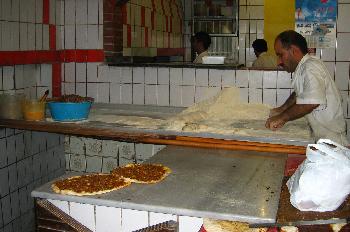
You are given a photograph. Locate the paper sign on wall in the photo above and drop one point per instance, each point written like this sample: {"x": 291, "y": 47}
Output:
{"x": 316, "y": 21}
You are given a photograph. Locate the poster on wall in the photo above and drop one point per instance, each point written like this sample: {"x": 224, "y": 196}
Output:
{"x": 316, "y": 21}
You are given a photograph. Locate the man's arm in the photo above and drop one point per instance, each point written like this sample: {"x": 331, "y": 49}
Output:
{"x": 293, "y": 112}
{"x": 287, "y": 104}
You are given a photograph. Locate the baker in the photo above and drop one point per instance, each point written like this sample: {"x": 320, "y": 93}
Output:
{"x": 315, "y": 95}
{"x": 201, "y": 42}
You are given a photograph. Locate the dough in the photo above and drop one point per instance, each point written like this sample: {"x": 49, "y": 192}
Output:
{"x": 226, "y": 114}
{"x": 221, "y": 114}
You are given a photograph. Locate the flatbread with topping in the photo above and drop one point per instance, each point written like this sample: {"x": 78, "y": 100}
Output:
{"x": 89, "y": 184}
{"x": 143, "y": 173}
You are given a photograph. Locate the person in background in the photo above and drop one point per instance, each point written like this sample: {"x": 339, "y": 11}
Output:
{"x": 315, "y": 94}
{"x": 201, "y": 42}
{"x": 264, "y": 60}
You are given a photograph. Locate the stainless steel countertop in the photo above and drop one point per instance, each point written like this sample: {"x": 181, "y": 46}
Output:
{"x": 164, "y": 112}
{"x": 209, "y": 183}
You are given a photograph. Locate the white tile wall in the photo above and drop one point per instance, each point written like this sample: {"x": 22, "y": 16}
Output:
{"x": 108, "y": 219}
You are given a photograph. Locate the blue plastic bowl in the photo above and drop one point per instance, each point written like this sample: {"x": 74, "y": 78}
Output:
{"x": 69, "y": 111}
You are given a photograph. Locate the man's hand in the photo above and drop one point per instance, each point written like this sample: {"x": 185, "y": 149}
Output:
{"x": 275, "y": 111}
{"x": 275, "y": 122}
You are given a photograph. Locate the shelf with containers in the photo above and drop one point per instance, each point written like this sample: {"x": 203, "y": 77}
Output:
{"x": 219, "y": 18}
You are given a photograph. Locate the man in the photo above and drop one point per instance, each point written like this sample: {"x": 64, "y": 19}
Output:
{"x": 201, "y": 43}
{"x": 315, "y": 95}
{"x": 264, "y": 60}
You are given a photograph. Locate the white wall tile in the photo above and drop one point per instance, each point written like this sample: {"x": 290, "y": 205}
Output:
{"x": 69, "y": 36}
{"x": 8, "y": 77}
{"x": 343, "y": 18}
{"x": 31, "y": 36}
{"x": 38, "y": 11}
{"x": 15, "y": 37}
{"x": 80, "y": 89}
{"x": 242, "y": 78}
{"x": 62, "y": 205}
{"x": 228, "y": 78}
{"x": 77, "y": 162}
{"x": 150, "y": 75}
{"x": 114, "y": 74}
{"x": 138, "y": 75}
{"x": 39, "y": 36}
{"x": 215, "y": 77}
{"x": 23, "y": 36}
{"x": 255, "y": 95}
{"x": 108, "y": 219}
{"x": 189, "y": 76}
{"x": 126, "y": 94}
{"x": 284, "y": 80}
{"x": 163, "y": 95}
{"x": 156, "y": 218}
{"x": 110, "y": 148}
{"x": 255, "y": 79}
{"x": 188, "y": 94}
{"x": 282, "y": 96}
{"x": 175, "y": 95}
{"x": 81, "y": 12}
{"x": 103, "y": 92}
{"x": 331, "y": 68}
{"x": 15, "y": 10}
{"x": 328, "y": 54}
{"x": 80, "y": 70}
{"x": 129, "y": 217}
{"x": 343, "y": 47}
{"x": 92, "y": 12}
{"x": 93, "y": 164}
{"x": 342, "y": 75}
{"x": 52, "y": 12}
{"x": 269, "y": 97}
{"x": 84, "y": 214}
{"x": 91, "y": 90}
{"x": 115, "y": 93}
{"x": 163, "y": 76}
{"x": 81, "y": 36}
{"x": 69, "y": 12}
{"x": 108, "y": 164}
{"x": 46, "y": 37}
{"x": 138, "y": 97}
{"x": 143, "y": 152}
{"x": 105, "y": 75}
{"x": 69, "y": 72}
{"x": 92, "y": 72}
{"x": 126, "y": 75}
{"x": 187, "y": 224}
{"x": 175, "y": 76}
{"x": 151, "y": 94}
{"x": 202, "y": 77}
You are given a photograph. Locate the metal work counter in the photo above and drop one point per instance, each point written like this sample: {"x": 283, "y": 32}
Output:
{"x": 209, "y": 183}
{"x": 159, "y": 136}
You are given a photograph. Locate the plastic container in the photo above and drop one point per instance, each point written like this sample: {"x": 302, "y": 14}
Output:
{"x": 11, "y": 106}
{"x": 34, "y": 110}
{"x": 213, "y": 60}
{"x": 69, "y": 111}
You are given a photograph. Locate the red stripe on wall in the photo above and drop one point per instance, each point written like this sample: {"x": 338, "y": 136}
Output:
{"x": 152, "y": 19}
{"x": 52, "y": 37}
{"x": 166, "y": 23}
{"x": 27, "y": 57}
{"x": 46, "y": 11}
{"x": 48, "y": 57}
{"x": 168, "y": 40}
{"x": 124, "y": 14}
{"x": 56, "y": 79}
{"x": 162, "y": 3}
{"x": 146, "y": 37}
{"x": 80, "y": 56}
{"x": 128, "y": 36}
{"x": 170, "y": 51}
{"x": 143, "y": 13}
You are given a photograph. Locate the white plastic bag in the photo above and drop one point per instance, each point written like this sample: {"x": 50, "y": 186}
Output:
{"x": 322, "y": 182}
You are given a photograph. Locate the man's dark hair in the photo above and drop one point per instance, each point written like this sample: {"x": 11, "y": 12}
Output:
{"x": 291, "y": 37}
{"x": 260, "y": 45}
{"x": 204, "y": 38}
